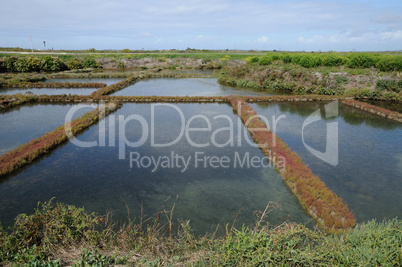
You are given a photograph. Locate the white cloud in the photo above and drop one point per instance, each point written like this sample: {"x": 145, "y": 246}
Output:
{"x": 391, "y": 36}
{"x": 326, "y": 23}
{"x": 142, "y": 35}
{"x": 263, "y": 39}
{"x": 314, "y": 39}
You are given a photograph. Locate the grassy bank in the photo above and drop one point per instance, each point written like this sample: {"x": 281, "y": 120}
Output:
{"x": 59, "y": 235}
{"x": 350, "y": 77}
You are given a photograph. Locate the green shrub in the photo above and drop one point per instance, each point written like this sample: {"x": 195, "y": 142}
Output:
{"x": 296, "y": 58}
{"x": 53, "y": 64}
{"x": 325, "y": 91}
{"x": 265, "y": 60}
{"x": 94, "y": 258}
{"x": 92, "y": 63}
{"x": 1, "y": 64}
{"x": 342, "y": 80}
{"x": 74, "y": 64}
{"x": 282, "y": 87}
{"x": 375, "y": 94}
{"x": 389, "y": 85}
{"x": 391, "y": 96}
{"x": 361, "y": 60}
{"x": 126, "y": 50}
{"x": 310, "y": 61}
{"x": 389, "y": 63}
{"x": 254, "y": 60}
{"x": 226, "y": 79}
{"x": 9, "y": 63}
{"x": 28, "y": 64}
{"x": 286, "y": 58}
{"x": 120, "y": 65}
{"x": 300, "y": 90}
{"x": 332, "y": 60}
{"x": 274, "y": 56}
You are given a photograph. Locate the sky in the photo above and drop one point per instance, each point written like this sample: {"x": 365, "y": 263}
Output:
{"x": 292, "y": 25}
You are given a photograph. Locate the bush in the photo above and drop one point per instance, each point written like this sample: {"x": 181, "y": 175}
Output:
{"x": 282, "y": 87}
{"x": 342, "y": 80}
{"x": 310, "y": 61}
{"x": 332, "y": 60}
{"x": 1, "y": 64}
{"x": 74, "y": 64}
{"x": 265, "y": 60}
{"x": 361, "y": 60}
{"x": 389, "y": 85}
{"x": 53, "y": 64}
{"x": 389, "y": 63}
{"x": 286, "y": 58}
{"x": 91, "y": 63}
{"x": 28, "y": 64}
{"x": 126, "y": 50}
{"x": 254, "y": 60}
{"x": 325, "y": 91}
{"x": 9, "y": 63}
{"x": 120, "y": 65}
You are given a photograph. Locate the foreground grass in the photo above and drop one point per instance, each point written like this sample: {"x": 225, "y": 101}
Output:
{"x": 58, "y": 234}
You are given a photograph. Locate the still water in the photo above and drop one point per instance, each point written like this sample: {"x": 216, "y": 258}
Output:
{"x": 185, "y": 87}
{"x": 22, "y": 124}
{"x": 369, "y": 173}
{"x": 48, "y": 91}
{"x": 210, "y": 193}
{"x": 394, "y": 106}
{"x": 107, "y": 81}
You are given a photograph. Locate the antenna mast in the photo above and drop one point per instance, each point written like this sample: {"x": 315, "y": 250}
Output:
{"x": 31, "y": 43}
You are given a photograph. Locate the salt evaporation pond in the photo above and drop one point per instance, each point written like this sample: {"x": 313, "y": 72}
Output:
{"x": 22, "y": 124}
{"x": 369, "y": 173}
{"x": 186, "y": 87}
{"x": 95, "y": 177}
{"x": 48, "y": 91}
{"x": 107, "y": 81}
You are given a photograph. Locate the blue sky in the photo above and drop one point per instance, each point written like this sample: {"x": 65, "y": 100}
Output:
{"x": 203, "y": 24}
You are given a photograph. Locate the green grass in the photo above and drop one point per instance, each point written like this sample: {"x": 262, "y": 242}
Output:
{"x": 58, "y": 234}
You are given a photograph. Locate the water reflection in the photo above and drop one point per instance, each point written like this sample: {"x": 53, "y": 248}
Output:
{"x": 48, "y": 91}
{"x": 186, "y": 87}
{"x": 24, "y": 123}
{"x": 368, "y": 176}
{"x": 107, "y": 81}
{"x": 96, "y": 178}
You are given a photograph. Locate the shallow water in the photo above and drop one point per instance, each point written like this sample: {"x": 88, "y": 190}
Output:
{"x": 394, "y": 106}
{"x": 22, "y": 124}
{"x": 48, "y": 91}
{"x": 107, "y": 81}
{"x": 185, "y": 87}
{"x": 97, "y": 179}
{"x": 369, "y": 173}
